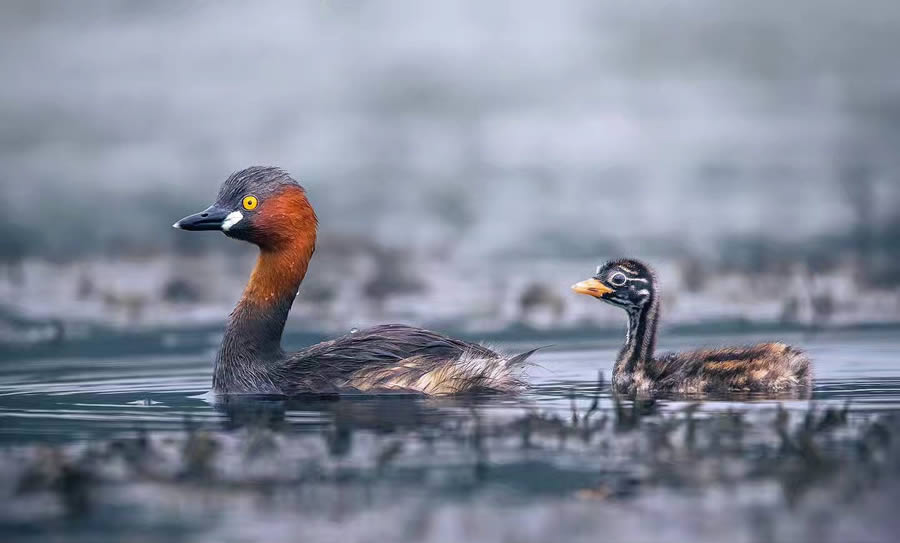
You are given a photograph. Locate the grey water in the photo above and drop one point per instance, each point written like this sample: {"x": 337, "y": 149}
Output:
{"x": 126, "y": 440}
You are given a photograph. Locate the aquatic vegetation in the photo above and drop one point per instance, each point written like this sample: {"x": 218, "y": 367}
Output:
{"x": 630, "y": 453}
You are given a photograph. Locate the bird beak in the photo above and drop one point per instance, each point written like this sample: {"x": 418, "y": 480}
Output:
{"x": 591, "y": 287}
{"x": 211, "y": 219}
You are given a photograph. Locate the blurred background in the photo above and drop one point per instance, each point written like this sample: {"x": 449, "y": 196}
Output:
{"x": 468, "y": 160}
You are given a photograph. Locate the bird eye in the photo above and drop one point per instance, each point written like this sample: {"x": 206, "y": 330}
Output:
{"x": 250, "y": 203}
{"x": 618, "y": 279}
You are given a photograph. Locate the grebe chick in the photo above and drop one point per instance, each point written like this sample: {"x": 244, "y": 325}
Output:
{"x": 266, "y": 207}
{"x": 631, "y": 285}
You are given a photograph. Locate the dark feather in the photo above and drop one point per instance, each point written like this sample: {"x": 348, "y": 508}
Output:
{"x": 400, "y": 357}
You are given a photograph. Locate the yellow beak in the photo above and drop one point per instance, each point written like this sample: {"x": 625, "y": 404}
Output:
{"x": 591, "y": 287}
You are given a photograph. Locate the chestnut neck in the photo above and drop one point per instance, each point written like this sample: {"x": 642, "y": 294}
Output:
{"x": 640, "y": 338}
{"x": 252, "y": 342}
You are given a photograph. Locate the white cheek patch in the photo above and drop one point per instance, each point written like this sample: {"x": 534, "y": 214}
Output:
{"x": 232, "y": 219}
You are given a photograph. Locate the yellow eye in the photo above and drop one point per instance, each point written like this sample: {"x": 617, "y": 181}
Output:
{"x": 250, "y": 203}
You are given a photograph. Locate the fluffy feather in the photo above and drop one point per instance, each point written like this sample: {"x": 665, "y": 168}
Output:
{"x": 396, "y": 357}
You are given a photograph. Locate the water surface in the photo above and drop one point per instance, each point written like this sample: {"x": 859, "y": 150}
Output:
{"x": 128, "y": 440}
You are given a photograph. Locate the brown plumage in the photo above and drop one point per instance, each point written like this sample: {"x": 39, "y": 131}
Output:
{"x": 768, "y": 367}
{"x": 281, "y": 222}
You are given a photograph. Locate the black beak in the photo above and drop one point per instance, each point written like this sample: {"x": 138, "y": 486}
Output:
{"x": 211, "y": 219}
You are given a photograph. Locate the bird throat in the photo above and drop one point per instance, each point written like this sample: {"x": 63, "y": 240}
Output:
{"x": 640, "y": 339}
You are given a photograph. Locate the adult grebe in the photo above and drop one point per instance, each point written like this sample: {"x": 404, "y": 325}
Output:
{"x": 631, "y": 285}
{"x": 266, "y": 207}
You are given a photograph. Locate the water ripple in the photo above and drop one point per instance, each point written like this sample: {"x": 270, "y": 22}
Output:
{"x": 75, "y": 398}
